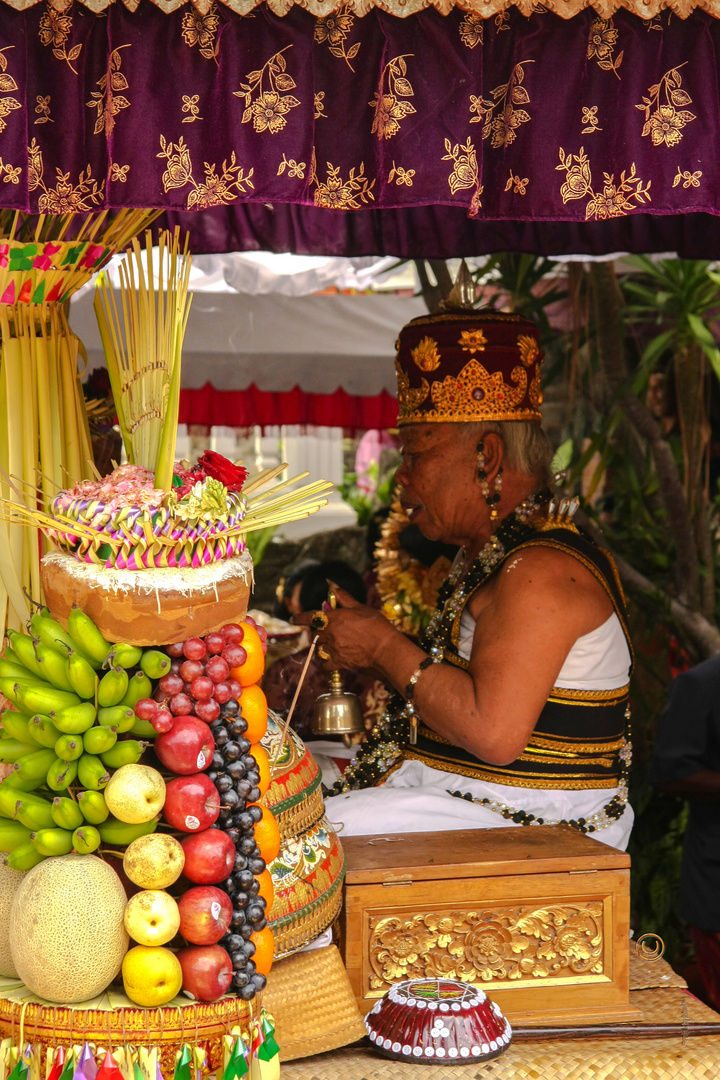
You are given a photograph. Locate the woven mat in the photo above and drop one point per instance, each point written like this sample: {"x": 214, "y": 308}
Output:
{"x": 647, "y": 974}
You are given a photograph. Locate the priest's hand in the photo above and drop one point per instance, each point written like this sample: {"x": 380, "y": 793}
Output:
{"x": 350, "y": 635}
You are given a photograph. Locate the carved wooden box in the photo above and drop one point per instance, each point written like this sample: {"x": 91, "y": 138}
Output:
{"x": 538, "y": 917}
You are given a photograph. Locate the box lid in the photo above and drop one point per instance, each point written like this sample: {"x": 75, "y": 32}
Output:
{"x": 474, "y": 853}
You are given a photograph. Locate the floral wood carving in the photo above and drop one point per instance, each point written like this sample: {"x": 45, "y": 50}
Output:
{"x": 214, "y": 190}
{"x": 601, "y": 45}
{"x": 200, "y": 30}
{"x": 334, "y": 29}
{"x": 7, "y": 85}
{"x": 390, "y": 111}
{"x": 664, "y": 122}
{"x": 501, "y": 117}
{"x": 269, "y": 109}
{"x": 65, "y": 197}
{"x": 518, "y": 943}
{"x": 615, "y": 200}
{"x": 107, "y": 100}
{"x": 54, "y": 29}
{"x": 465, "y": 174}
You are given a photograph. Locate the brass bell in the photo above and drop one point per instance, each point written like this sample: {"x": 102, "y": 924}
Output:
{"x": 338, "y": 713}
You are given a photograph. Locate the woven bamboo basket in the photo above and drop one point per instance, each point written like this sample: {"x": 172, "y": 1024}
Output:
{"x": 167, "y": 1028}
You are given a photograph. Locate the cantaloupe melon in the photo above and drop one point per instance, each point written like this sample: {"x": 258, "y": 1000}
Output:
{"x": 67, "y": 937}
{"x": 9, "y": 883}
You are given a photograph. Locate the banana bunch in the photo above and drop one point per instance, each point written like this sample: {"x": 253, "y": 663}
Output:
{"x": 73, "y": 723}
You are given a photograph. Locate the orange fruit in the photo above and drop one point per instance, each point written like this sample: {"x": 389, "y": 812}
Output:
{"x": 267, "y": 890}
{"x": 253, "y": 668}
{"x": 263, "y": 764}
{"x": 267, "y": 835}
{"x": 264, "y": 942}
{"x": 255, "y": 713}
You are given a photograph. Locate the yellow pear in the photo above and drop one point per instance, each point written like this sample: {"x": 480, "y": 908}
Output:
{"x": 155, "y": 861}
{"x": 151, "y": 976}
{"x": 152, "y": 917}
{"x": 136, "y": 793}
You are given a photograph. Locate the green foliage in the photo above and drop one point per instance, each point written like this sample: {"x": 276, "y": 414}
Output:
{"x": 258, "y": 541}
{"x": 362, "y": 501}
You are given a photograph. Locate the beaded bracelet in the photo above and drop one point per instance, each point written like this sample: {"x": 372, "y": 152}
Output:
{"x": 409, "y": 692}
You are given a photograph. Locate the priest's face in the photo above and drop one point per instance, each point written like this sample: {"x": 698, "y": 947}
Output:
{"x": 438, "y": 482}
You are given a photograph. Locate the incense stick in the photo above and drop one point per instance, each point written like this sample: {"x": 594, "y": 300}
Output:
{"x": 298, "y": 688}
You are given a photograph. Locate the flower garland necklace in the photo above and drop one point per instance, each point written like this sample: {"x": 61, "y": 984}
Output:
{"x": 384, "y": 746}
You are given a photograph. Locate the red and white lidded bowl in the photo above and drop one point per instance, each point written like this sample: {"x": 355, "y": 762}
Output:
{"x": 437, "y": 1022}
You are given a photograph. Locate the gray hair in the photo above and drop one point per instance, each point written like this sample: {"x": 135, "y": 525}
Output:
{"x": 528, "y": 449}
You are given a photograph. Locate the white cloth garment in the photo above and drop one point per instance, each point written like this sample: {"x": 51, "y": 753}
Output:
{"x": 415, "y": 797}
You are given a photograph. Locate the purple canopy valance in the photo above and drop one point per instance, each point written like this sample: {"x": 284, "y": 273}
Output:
{"x": 431, "y": 135}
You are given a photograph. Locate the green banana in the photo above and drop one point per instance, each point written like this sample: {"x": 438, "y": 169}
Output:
{"x": 113, "y": 687}
{"x": 66, "y": 813}
{"x": 52, "y": 841}
{"x": 50, "y": 632}
{"x": 24, "y": 648}
{"x": 11, "y": 796}
{"x": 13, "y": 781}
{"x": 69, "y": 747}
{"x": 75, "y": 720}
{"x": 53, "y": 667}
{"x": 143, "y": 729}
{"x": 93, "y": 806}
{"x": 18, "y": 726}
{"x": 82, "y": 676}
{"x": 86, "y": 636}
{"x": 43, "y": 730}
{"x": 127, "y": 752}
{"x": 34, "y": 766}
{"x": 12, "y": 750}
{"x": 92, "y": 772}
{"x": 10, "y": 669}
{"x": 155, "y": 664}
{"x": 119, "y": 833}
{"x": 43, "y": 698}
{"x": 98, "y": 740}
{"x": 34, "y": 813}
{"x": 61, "y": 774}
{"x": 119, "y": 716}
{"x": 10, "y": 656}
{"x": 125, "y": 656}
{"x": 139, "y": 686}
{"x": 86, "y": 839}
{"x": 24, "y": 856}
{"x": 12, "y": 833}
{"x": 11, "y": 687}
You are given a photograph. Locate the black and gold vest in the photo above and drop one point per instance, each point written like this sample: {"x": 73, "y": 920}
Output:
{"x": 580, "y": 734}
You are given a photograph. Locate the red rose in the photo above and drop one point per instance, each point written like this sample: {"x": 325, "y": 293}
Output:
{"x": 221, "y": 468}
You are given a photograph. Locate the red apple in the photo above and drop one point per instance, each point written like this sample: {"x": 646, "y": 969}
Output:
{"x": 187, "y": 747}
{"x": 209, "y": 857}
{"x": 207, "y": 971}
{"x": 192, "y": 803}
{"x": 205, "y": 914}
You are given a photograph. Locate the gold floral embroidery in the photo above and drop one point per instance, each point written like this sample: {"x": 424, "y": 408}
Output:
{"x": 471, "y": 30}
{"x": 590, "y": 119}
{"x": 615, "y": 200}
{"x": 42, "y": 110}
{"x": 664, "y": 123}
{"x": 65, "y": 197}
{"x": 200, "y": 30}
{"x": 334, "y": 29}
{"x": 506, "y": 97}
{"x": 465, "y": 174}
{"x": 528, "y": 349}
{"x": 338, "y": 194}
{"x": 55, "y": 29}
{"x": 601, "y": 45}
{"x": 401, "y": 176}
{"x": 215, "y": 190}
{"x": 519, "y": 186}
{"x": 119, "y": 173}
{"x": 502, "y": 20}
{"x": 107, "y": 100}
{"x": 269, "y": 110}
{"x": 389, "y": 109}
{"x": 688, "y": 179}
{"x": 190, "y": 105}
{"x": 472, "y": 341}
{"x": 7, "y": 85}
{"x": 294, "y": 168}
{"x": 10, "y": 173}
{"x": 320, "y": 113}
{"x": 426, "y": 355}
